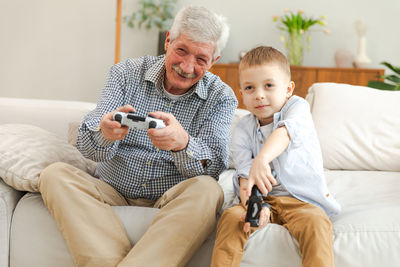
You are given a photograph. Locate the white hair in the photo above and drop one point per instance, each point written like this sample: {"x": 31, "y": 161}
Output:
{"x": 201, "y": 25}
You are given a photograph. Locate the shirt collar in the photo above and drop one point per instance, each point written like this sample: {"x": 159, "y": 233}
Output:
{"x": 155, "y": 74}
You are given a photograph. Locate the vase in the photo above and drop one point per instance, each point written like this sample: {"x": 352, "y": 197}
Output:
{"x": 295, "y": 48}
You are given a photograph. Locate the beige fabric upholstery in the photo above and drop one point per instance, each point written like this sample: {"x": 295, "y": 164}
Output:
{"x": 358, "y": 127}
{"x": 25, "y": 150}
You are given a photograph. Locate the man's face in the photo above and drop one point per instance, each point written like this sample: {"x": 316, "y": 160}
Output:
{"x": 186, "y": 62}
{"x": 264, "y": 89}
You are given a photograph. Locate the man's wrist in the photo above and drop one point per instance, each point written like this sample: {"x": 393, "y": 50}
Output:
{"x": 186, "y": 144}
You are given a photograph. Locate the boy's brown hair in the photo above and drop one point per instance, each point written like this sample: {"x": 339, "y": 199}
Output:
{"x": 263, "y": 55}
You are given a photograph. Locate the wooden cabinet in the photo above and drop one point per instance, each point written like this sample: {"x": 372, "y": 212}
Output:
{"x": 303, "y": 77}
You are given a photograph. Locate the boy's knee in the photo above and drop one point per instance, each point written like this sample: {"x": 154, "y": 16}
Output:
{"x": 232, "y": 214}
{"x": 319, "y": 223}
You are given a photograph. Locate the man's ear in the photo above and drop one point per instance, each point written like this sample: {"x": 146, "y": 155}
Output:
{"x": 290, "y": 89}
{"x": 167, "y": 41}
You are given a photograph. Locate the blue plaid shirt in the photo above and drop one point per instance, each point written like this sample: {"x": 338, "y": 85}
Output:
{"x": 135, "y": 167}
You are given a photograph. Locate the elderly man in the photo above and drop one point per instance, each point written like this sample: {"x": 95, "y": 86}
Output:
{"x": 174, "y": 169}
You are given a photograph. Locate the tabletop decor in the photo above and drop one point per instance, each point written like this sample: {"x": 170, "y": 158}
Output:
{"x": 297, "y": 27}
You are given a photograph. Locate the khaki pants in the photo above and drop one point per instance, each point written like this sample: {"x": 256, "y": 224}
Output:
{"x": 306, "y": 222}
{"x": 81, "y": 206}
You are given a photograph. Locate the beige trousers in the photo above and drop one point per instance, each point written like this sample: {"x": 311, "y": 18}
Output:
{"x": 306, "y": 222}
{"x": 81, "y": 206}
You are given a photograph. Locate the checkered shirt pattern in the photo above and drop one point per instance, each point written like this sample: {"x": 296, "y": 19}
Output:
{"x": 135, "y": 167}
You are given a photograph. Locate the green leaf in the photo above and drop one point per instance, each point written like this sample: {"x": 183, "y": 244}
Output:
{"x": 381, "y": 85}
{"x": 390, "y": 66}
{"x": 392, "y": 78}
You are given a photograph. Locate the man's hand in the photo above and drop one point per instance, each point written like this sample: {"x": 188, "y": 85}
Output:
{"x": 173, "y": 137}
{"x": 262, "y": 221}
{"x": 112, "y": 130}
{"x": 260, "y": 174}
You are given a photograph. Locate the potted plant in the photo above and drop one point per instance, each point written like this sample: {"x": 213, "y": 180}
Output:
{"x": 297, "y": 27}
{"x": 153, "y": 13}
{"x": 393, "y": 80}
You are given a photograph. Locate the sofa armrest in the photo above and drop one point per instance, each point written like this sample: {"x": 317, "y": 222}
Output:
{"x": 9, "y": 198}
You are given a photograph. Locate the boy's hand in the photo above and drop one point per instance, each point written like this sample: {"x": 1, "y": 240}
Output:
{"x": 260, "y": 174}
{"x": 243, "y": 191}
{"x": 262, "y": 221}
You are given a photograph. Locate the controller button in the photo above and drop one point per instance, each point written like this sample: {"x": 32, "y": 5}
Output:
{"x": 118, "y": 117}
{"x": 152, "y": 124}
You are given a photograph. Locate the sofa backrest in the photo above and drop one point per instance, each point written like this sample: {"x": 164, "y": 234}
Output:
{"x": 51, "y": 115}
{"x": 358, "y": 127}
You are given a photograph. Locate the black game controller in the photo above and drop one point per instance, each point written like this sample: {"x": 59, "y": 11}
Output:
{"x": 138, "y": 122}
{"x": 255, "y": 204}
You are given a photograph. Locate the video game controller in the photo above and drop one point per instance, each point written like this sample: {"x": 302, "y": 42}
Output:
{"x": 255, "y": 204}
{"x": 138, "y": 122}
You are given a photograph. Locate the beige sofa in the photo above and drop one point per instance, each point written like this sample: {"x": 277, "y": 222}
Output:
{"x": 359, "y": 132}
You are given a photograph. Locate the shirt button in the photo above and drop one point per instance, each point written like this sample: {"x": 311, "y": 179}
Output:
{"x": 191, "y": 153}
{"x": 144, "y": 185}
{"x": 157, "y": 149}
{"x": 148, "y": 163}
{"x": 171, "y": 104}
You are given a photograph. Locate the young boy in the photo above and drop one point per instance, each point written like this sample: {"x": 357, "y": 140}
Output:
{"x": 279, "y": 135}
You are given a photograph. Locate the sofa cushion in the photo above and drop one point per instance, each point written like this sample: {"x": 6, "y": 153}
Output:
{"x": 366, "y": 232}
{"x": 51, "y": 115}
{"x": 36, "y": 241}
{"x": 25, "y": 150}
{"x": 358, "y": 127}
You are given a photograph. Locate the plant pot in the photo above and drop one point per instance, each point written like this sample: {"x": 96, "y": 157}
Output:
{"x": 295, "y": 48}
{"x": 161, "y": 42}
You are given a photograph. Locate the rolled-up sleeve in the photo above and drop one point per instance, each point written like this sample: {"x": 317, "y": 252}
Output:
{"x": 241, "y": 149}
{"x": 298, "y": 122}
{"x": 210, "y": 145}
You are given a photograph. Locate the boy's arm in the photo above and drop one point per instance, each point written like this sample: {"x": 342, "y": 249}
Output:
{"x": 260, "y": 172}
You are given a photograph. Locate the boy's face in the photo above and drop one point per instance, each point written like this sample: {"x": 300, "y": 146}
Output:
{"x": 265, "y": 89}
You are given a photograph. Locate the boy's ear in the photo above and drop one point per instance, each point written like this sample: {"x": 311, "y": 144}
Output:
{"x": 290, "y": 89}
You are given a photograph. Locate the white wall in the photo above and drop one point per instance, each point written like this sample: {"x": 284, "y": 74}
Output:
{"x": 64, "y": 49}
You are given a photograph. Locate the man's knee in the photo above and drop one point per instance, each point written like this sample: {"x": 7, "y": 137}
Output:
{"x": 50, "y": 176}
{"x": 209, "y": 188}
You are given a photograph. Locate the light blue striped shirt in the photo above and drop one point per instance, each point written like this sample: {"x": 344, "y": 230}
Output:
{"x": 135, "y": 167}
{"x": 299, "y": 167}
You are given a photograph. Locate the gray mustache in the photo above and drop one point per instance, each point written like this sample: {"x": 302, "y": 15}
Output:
{"x": 182, "y": 73}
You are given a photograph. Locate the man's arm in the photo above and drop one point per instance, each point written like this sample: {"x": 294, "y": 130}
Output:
{"x": 92, "y": 142}
{"x": 203, "y": 154}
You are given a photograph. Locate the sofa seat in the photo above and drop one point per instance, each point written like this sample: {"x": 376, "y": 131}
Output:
{"x": 34, "y": 231}
{"x": 365, "y": 219}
